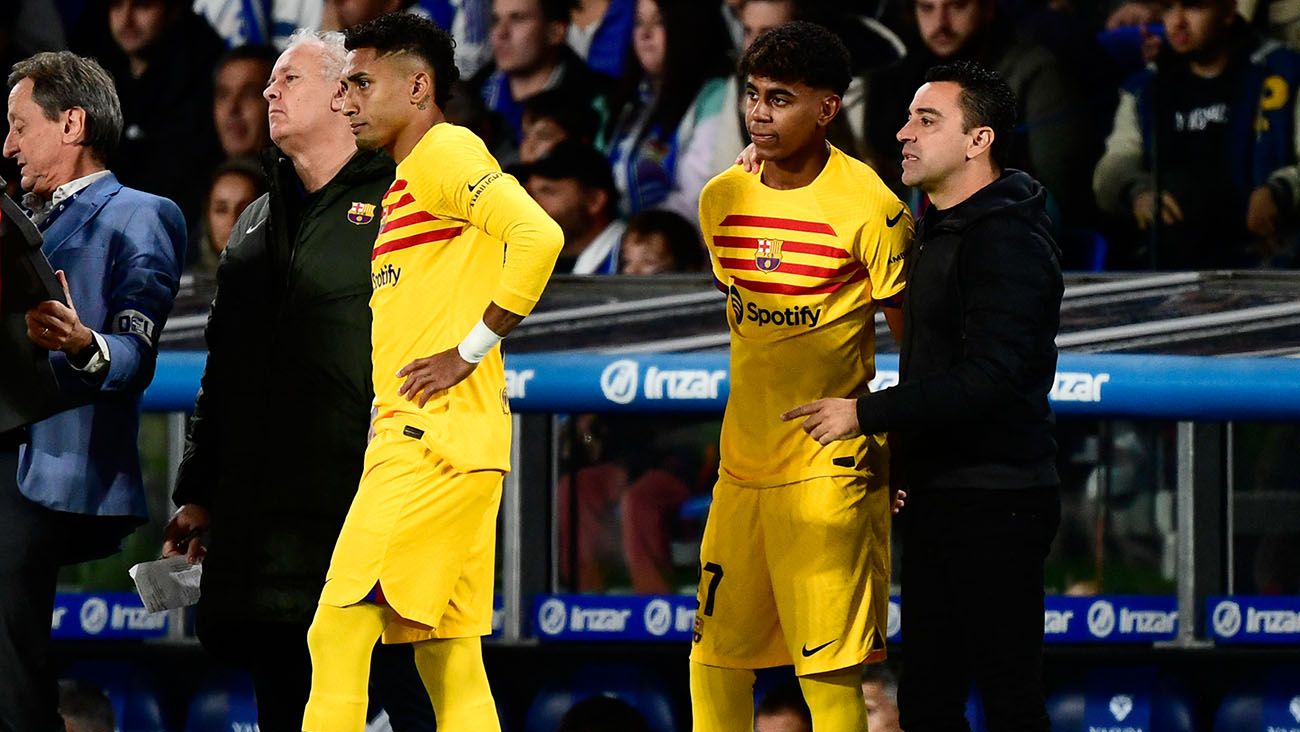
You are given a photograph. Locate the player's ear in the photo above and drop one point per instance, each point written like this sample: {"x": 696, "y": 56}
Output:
{"x": 981, "y": 142}
{"x": 421, "y": 88}
{"x": 830, "y": 107}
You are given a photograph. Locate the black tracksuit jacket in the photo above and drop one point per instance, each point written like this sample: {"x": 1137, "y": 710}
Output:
{"x": 981, "y": 310}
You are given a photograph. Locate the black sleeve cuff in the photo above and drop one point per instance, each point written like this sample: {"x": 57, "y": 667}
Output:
{"x": 873, "y": 412}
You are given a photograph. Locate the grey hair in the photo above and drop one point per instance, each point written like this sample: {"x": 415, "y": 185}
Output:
{"x": 333, "y": 55}
{"x": 63, "y": 80}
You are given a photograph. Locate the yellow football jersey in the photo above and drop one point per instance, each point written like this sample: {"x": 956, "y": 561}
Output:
{"x": 437, "y": 263}
{"x": 803, "y": 270}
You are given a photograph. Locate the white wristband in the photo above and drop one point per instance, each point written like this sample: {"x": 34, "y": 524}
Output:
{"x": 478, "y": 343}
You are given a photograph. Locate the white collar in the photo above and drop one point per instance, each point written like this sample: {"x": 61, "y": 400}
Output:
{"x": 601, "y": 255}
{"x": 40, "y": 209}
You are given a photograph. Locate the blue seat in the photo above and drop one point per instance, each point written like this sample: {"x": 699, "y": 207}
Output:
{"x": 225, "y": 703}
{"x": 132, "y": 691}
{"x": 1137, "y": 697}
{"x": 1271, "y": 700}
{"x": 639, "y": 689}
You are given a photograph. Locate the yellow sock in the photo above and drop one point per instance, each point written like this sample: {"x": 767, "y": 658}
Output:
{"x": 453, "y": 674}
{"x": 835, "y": 699}
{"x": 722, "y": 699}
{"x": 341, "y": 640}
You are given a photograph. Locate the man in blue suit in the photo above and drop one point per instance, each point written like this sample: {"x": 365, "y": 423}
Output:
{"x": 118, "y": 253}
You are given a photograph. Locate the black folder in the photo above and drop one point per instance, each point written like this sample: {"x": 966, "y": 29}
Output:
{"x": 27, "y": 388}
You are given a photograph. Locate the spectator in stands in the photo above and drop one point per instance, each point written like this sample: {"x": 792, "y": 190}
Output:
{"x": 531, "y": 56}
{"x": 162, "y": 57}
{"x": 235, "y": 185}
{"x": 573, "y": 184}
{"x": 669, "y": 107}
{"x": 649, "y": 512}
{"x": 550, "y": 118}
{"x": 238, "y": 108}
{"x": 603, "y": 714}
{"x": 1052, "y": 141}
{"x": 596, "y": 464}
{"x": 288, "y": 334}
{"x": 880, "y": 692}
{"x": 355, "y": 12}
{"x": 660, "y": 241}
{"x": 783, "y": 709}
{"x": 600, "y": 32}
{"x": 1218, "y": 112}
{"x": 85, "y": 707}
{"x": 118, "y": 252}
{"x": 470, "y": 23}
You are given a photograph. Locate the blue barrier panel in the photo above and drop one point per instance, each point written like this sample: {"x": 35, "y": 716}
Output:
{"x": 1110, "y": 619}
{"x": 1254, "y": 619}
{"x": 1101, "y": 619}
{"x": 111, "y": 615}
{"x": 1170, "y": 387}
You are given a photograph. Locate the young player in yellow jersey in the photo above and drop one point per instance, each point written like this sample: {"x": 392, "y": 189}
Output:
{"x": 462, "y": 256}
{"x": 795, "y": 557}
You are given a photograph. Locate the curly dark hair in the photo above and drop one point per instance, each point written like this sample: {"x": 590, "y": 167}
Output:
{"x": 406, "y": 33}
{"x": 800, "y": 52}
{"x": 987, "y": 100}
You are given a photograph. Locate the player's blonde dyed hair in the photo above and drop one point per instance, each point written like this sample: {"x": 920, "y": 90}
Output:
{"x": 333, "y": 55}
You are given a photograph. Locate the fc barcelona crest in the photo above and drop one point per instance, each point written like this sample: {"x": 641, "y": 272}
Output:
{"x": 361, "y": 213}
{"x": 768, "y": 254}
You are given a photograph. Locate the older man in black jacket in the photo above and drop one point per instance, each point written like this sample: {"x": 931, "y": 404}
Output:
{"x": 276, "y": 445}
{"x": 970, "y": 416}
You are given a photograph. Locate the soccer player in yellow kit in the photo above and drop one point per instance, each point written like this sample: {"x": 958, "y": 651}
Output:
{"x": 462, "y": 256}
{"x": 795, "y": 556}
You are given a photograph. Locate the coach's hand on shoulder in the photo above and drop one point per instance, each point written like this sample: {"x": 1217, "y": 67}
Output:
{"x": 749, "y": 158}
{"x": 828, "y": 420}
{"x": 184, "y": 533}
{"x": 428, "y": 376}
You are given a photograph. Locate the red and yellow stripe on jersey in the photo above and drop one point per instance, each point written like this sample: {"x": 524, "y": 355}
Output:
{"x": 437, "y": 263}
{"x": 804, "y": 270}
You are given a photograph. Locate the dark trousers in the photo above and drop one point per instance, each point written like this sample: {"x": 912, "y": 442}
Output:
{"x": 972, "y": 592}
{"x": 275, "y": 655}
{"x": 34, "y": 543}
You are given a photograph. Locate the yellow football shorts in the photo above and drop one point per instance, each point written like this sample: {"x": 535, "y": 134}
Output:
{"x": 426, "y": 534}
{"x": 797, "y": 573}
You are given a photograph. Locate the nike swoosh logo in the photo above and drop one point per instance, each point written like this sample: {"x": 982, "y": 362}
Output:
{"x": 894, "y": 219}
{"x": 480, "y": 180}
{"x": 253, "y": 228}
{"x": 808, "y": 652}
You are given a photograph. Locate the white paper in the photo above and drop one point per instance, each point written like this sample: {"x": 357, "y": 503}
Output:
{"x": 167, "y": 584}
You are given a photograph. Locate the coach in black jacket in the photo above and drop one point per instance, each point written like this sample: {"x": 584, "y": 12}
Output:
{"x": 277, "y": 442}
{"x": 970, "y": 419}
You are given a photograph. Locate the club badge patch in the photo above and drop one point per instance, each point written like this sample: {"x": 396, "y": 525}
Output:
{"x": 768, "y": 255}
{"x": 361, "y": 213}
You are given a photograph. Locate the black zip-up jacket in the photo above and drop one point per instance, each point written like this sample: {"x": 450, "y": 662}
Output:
{"x": 276, "y": 444}
{"x": 981, "y": 313}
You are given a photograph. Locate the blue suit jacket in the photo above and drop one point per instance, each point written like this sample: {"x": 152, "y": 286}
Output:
{"x": 121, "y": 251}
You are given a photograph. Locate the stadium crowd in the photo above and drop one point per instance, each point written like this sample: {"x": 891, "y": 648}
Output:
{"x": 1165, "y": 133}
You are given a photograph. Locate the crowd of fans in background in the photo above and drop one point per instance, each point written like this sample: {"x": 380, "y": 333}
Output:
{"x": 1165, "y": 131}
